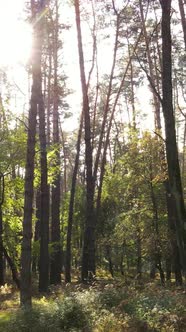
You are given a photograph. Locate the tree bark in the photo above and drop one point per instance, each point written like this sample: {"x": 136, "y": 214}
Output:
{"x": 157, "y": 102}
{"x": 44, "y": 212}
{"x": 174, "y": 254}
{"x": 71, "y": 206}
{"x": 56, "y": 257}
{"x": 168, "y": 269}
{"x": 35, "y": 262}
{"x": 171, "y": 146}
{"x": 25, "y": 291}
{"x": 157, "y": 241}
{"x": 88, "y": 259}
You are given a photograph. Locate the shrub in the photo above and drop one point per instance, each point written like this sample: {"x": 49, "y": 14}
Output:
{"x": 37, "y": 319}
{"x": 72, "y": 316}
{"x": 65, "y": 315}
{"x": 116, "y": 298}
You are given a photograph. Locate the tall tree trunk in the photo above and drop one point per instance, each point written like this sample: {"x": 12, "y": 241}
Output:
{"x": 174, "y": 254}
{"x": 74, "y": 176}
{"x": 154, "y": 81}
{"x": 88, "y": 259}
{"x": 168, "y": 268}
{"x": 56, "y": 258}
{"x": 71, "y": 207}
{"x": 171, "y": 146}
{"x": 25, "y": 291}
{"x": 44, "y": 213}
{"x": 37, "y": 230}
{"x": 157, "y": 241}
{"x": 49, "y": 90}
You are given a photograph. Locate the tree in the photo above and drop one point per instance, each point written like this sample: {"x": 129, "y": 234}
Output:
{"x": 44, "y": 198}
{"x": 170, "y": 134}
{"x": 55, "y": 267}
{"x": 71, "y": 206}
{"x": 25, "y": 292}
{"x": 88, "y": 259}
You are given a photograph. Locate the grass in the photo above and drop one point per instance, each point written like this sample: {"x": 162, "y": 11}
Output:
{"x": 103, "y": 307}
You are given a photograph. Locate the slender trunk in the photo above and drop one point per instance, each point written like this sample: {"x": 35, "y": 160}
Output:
{"x": 150, "y": 64}
{"x": 106, "y": 107}
{"x": 168, "y": 269}
{"x": 25, "y": 293}
{"x": 64, "y": 187}
{"x": 171, "y": 146}
{"x": 37, "y": 230}
{"x": 177, "y": 267}
{"x": 174, "y": 254}
{"x": 155, "y": 82}
{"x": 49, "y": 93}
{"x": 88, "y": 259}
{"x": 103, "y": 161}
{"x": 169, "y": 200}
{"x": 71, "y": 206}
{"x": 133, "y": 97}
{"x": 157, "y": 243}
{"x": 44, "y": 215}
{"x": 56, "y": 259}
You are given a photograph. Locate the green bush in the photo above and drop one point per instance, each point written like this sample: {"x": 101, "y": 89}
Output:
{"x": 41, "y": 318}
{"x": 118, "y": 299}
{"x": 102, "y": 310}
{"x": 65, "y": 315}
{"x": 72, "y": 316}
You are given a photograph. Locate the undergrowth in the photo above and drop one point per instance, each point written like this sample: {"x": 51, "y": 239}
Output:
{"x": 100, "y": 308}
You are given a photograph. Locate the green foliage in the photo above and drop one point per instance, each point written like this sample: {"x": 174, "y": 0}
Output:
{"x": 37, "y": 319}
{"x": 66, "y": 314}
{"x": 127, "y": 210}
{"x": 53, "y": 166}
{"x": 112, "y": 298}
{"x": 102, "y": 308}
{"x": 12, "y": 161}
{"x": 72, "y": 315}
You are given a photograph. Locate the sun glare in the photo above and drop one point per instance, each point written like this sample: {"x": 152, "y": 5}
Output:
{"x": 15, "y": 39}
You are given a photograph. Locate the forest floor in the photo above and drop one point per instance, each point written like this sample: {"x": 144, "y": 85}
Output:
{"x": 108, "y": 305}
